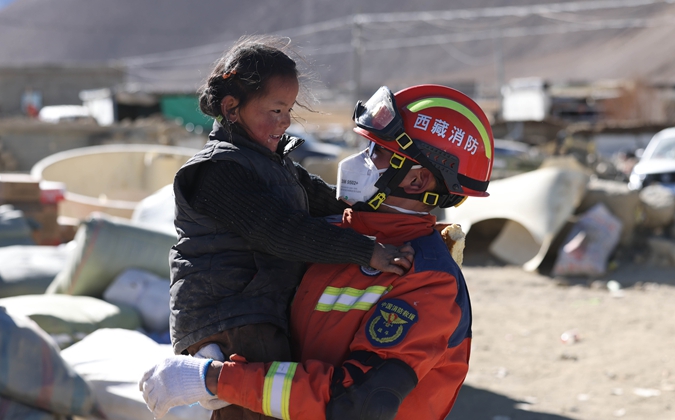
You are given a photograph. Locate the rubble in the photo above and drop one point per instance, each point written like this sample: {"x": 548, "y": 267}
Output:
{"x": 535, "y": 204}
{"x": 619, "y": 200}
{"x": 589, "y": 244}
{"x": 662, "y": 251}
{"x": 658, "y": 206}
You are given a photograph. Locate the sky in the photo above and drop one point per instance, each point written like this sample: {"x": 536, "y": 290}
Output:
{"x": 4, "y": 3}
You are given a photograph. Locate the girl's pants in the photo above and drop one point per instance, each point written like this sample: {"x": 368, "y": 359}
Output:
{"x": 256, "y": 343}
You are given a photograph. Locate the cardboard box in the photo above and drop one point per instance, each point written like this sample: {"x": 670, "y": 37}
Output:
{"x": 45, "y": 219}
{"x": 67, "y": 228}
{"x": 18, "y": 188}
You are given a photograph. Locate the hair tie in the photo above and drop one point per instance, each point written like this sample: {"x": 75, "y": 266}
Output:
{"x": 228, "y": 74}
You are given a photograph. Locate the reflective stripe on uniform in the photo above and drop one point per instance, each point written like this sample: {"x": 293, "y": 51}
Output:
{"x": 277, "y": 390}
{"x": 347, "y": 298}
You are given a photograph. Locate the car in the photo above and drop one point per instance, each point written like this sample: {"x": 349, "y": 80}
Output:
{"x": 657, "y": 162}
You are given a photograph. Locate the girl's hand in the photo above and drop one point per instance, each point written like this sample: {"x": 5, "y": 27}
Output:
{"x": 392, "y": 259}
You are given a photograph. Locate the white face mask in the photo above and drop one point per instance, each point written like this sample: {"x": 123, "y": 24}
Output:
{"x": 357, "y": 175}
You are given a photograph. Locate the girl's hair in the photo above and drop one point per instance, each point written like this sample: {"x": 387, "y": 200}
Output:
{"x": 245, "y": 70}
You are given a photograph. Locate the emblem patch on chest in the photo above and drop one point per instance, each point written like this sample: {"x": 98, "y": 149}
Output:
{"x": 390, "y": 323}
{"x": 370, "y": 271}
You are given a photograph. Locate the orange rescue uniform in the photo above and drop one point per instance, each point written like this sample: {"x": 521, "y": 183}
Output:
{"x": 422, "y": 318}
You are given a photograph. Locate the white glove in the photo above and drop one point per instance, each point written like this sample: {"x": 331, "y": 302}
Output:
{"x": 212, "y": 351}
{"x": 178, "y": 380}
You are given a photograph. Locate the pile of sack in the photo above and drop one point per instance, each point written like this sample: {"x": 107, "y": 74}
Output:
{"x": 80, "y": 322}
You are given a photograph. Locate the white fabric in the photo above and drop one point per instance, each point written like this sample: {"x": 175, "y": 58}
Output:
{"x": 146, "y": 292}
{"x": 102, "y": 359}
{"x": 406, "y": 211}
{"x": 357, "y": 175}
{"x": 157, "y": 211}
{"x": 212, "y": 351}
{"x": 177, "y": 380}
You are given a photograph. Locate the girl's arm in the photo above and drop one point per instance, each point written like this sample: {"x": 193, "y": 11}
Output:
{"x": 235, "y": 197}
{"x": 322, "y": 201}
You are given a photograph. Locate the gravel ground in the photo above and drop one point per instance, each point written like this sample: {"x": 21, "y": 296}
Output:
{"x": 618, "y": 361}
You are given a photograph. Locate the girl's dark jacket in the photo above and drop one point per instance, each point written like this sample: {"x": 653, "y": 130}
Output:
{"x": 221, "y": 279}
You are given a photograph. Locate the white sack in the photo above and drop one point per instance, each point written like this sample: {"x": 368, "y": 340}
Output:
{"x": 113, "y": 361}
{"x": 157, "y": 211}
{"x": 145, "y": 292}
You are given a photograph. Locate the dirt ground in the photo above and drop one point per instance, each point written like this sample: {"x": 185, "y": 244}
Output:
{"x": 619, "y": 363}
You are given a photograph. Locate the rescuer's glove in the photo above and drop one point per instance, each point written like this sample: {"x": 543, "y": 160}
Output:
{"x": 177, "y": 380}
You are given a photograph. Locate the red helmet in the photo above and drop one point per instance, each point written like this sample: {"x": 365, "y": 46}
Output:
{"x": 437, "y": 127}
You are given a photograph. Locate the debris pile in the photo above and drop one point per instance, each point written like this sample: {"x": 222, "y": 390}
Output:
{"x": 81, "y": 308}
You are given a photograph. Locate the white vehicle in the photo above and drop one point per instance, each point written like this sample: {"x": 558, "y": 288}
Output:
{"x": 657, "y": 163}
{"x": 57, "y": 113}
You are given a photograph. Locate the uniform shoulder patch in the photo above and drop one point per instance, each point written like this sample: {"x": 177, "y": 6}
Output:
{"x": 390, "y": 322}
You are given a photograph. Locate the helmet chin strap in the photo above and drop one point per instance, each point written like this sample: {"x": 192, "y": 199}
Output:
{"x": 389, "y": 180}
{"x": 388, "y": 185}
{"x": 399, "y": 166}
{"x": 431, "y": 199}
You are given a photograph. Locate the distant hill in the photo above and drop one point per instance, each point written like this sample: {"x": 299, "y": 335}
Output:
{"x": 170, "y": 45}
{"x": 4, "y": 3}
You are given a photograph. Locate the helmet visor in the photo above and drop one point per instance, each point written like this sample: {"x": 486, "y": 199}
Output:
{"x": 379, "y": 115}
